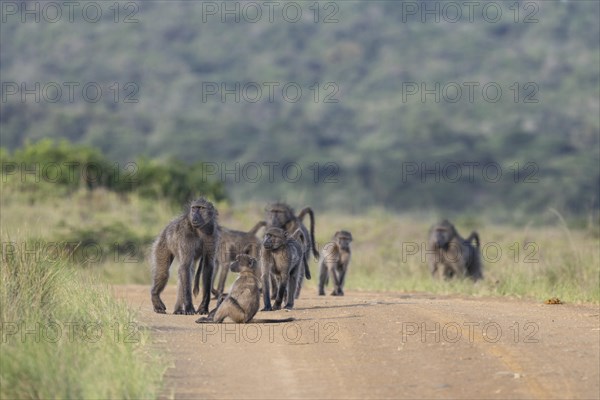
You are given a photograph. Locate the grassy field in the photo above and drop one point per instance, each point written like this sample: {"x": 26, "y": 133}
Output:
{"x": 60, "y": 252}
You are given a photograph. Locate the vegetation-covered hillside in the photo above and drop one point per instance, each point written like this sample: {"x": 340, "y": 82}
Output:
{"x": 364, "y": 114}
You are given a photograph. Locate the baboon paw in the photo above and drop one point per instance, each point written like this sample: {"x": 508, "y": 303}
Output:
{"x": 289, "y": 306}
{"x": 334, "y": 293}
{"x": 203, "y": 320}
{"x": 202, "y": 311}
{"x": 160, "y": 310}
{"x": 179, "y": 311}
{"x": 267, "y": 309}
{"x": 321, "y": 293}
{"x": 277, "y": 307}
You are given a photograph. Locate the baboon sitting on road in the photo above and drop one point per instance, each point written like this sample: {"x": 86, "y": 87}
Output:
{"x": 454, "y": 256}
{"x": 281, "y": 258}
{"x": 192, "y": 237}
{"x": 243, "y": 301}
{"x": 334, "y": 263}
{"x": 231, "y": 244}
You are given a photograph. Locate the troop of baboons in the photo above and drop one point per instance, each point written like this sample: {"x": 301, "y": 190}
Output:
{"x": 274, "y": 265}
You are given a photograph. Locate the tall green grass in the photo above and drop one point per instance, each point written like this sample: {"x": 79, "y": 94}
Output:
{"x": 65, "y": 336}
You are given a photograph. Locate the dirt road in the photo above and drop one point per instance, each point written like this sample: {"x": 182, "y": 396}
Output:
{"x": 383, "y": 345}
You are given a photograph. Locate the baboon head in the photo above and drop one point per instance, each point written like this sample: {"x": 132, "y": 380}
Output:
{"x": 274, "y": 238}
{"x": 343, "y": 239}
{"x": 243, "y": 262}
{"x": 441, "y": 234}
{"x": 202, "y": 213}
{"x": 278, "y": 214}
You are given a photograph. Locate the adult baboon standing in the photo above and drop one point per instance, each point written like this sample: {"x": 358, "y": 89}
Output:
{"x": 281, "y": 215}
{"x": 192, "y": 237}
{"x": 453, "y": 255}
{"x": 231, "y": 244}
{"x": 281, "y": 258}
{"x": 334, "y": 263}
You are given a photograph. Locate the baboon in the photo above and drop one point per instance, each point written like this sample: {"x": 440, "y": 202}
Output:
{"x": 231, "y": 244}
{"x": 243, "y": 300}
{"x": 280, "y": 215}
{"x": 281, "y": 258}
{"x": 334, "y": 263}
{"x": 192, "y": 237}
{"x": 456, "y": 256}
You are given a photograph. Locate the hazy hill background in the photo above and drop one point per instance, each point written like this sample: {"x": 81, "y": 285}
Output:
{"x": 366, "y": 61}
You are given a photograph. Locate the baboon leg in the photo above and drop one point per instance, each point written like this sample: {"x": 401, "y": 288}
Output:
{"x": 222, "y": 278}
{"x": 322, "y": 278}
{"x": 298, "y": 285}
{"x": 274, "y": 286}
{"x": 184, "y": 303}
{"x": 292, "y": 284}
{"x": 335, "y": 276}
{"x": 207, "y": 266}
{"x": 340, "y": 289}
{"x": 216, "y": 273}
{"x": 159, "y": 281}
{"x": 267, "y": 292}
{"x": 281, "y": 291}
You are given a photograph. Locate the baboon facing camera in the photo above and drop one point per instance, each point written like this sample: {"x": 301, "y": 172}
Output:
{"x": 453, "y": 256}
{"x": 243, "y": 301}
{"x": 281, "y": 215}
{"x": 191, "y": 238}
{"x": 281, "y": 258}
{"x": 231, "y": 244}
{"x": 334, "y": 263}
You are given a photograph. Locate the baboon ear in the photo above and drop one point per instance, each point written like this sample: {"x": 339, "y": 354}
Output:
{"x": 285, "y": 234}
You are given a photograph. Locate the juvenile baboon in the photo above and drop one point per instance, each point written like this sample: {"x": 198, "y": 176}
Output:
{"x": 454, "y": 256}
{"x": 280, "y": 215}
{"x": 231, "y": 244}
{"x": 192, "y": 237}
{"x": 334, "y": 263}
{"x": 243, "y": 300}
{"x": 281, "y": 258}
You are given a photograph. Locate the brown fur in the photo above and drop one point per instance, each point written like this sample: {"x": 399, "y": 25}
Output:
{"x": 191, "y": 238}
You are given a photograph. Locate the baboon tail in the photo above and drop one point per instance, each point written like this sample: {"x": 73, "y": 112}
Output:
{"x": 306, "y": 269}
{"x": 271, "y": 321}
{"x": 474, "y": 236}
{"x": 309, "y": 211}
{"x": 197, "y": 278}
{"x": 258, "y": 225}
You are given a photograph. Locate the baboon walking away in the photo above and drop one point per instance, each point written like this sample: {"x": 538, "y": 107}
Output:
{"x": 191, "y": 238}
